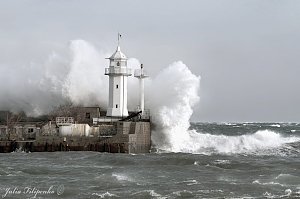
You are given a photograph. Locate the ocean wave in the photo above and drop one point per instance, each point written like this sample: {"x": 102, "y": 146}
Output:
{"x": 147, "y": 193}
{"x": 287, "y": 193}
{"x": 287, "y": 179}
{"x": 183, "y": 193}
{"x": 267, "y": 183}
{"x": 123, "y": 177}
{"x": 275, "y": 125}
{"x": 190, "y": 182}
{"x": 262, "y": 142}
{"x": 173, "y": 108}
{"x": 104, "y": 195}
{"x": 222, "y": 162}
{"x": 283, "y": 175}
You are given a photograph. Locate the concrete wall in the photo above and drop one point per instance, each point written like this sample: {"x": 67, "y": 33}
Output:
{"x": 86, "y": 114}
{"x": 3, "y": 132}
{"x": 140, "y": 138}
{"x": 74, "y": 130}
{"x": 117, "y": 137}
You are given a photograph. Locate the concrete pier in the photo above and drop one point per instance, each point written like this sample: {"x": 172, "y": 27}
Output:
{"x": 116, "y": 137}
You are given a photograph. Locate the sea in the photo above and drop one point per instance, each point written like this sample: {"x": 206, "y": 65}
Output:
{"x": 233, "y": 160}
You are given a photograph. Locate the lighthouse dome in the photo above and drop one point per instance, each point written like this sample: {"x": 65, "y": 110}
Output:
{"x": 118, "y": 55}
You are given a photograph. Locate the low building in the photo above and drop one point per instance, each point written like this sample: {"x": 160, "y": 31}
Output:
{"x": 67, "y": 134}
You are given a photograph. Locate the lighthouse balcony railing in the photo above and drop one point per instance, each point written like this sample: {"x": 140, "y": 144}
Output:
{"x": 140, "y": 73}
{"x": 118, "y": 71}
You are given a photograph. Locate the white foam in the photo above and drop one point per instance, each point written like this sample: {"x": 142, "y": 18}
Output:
{"x": 154, "y": 194}
{"x": 172, "y": 95}
{"x": 229, "y": 124}
{"x": 222, "y": 162}
{"x": 122, "y": 177}
{"x": 191, "y": 182}
{"x": 151, "y": 193}
{"x": 204, "y": 191}
{"x": 287, "y": 193}
{"x": 257, "y": 142}
{"x": 104, "y": 195}
{"x": 267, "y": 183}
{"x": 275, "y": 125}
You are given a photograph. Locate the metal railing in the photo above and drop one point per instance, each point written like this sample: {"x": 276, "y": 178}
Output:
{"x": 139, "y": 73}
{"x": 118, "y": 71}
{"x": 60, "y": 121}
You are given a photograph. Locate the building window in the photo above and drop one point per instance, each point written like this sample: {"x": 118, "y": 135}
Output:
{"x": 30, "y": 130}
{"x": 88, "y": 116}
{"x": 116, "y": 105}
{"x": 118, "y": 63}
{"x": 117, "y": 86}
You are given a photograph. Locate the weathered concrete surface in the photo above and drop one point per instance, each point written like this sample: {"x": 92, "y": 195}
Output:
{"x": 116, "y": 137}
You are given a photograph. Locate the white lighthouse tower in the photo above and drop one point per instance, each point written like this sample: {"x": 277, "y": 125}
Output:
{"x": 139, "y": 73}
{"x": 118, "y": 73}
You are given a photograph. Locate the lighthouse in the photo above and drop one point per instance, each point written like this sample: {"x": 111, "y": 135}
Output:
{"x": 139, "y": 73}
{"x": 118, "y": 73}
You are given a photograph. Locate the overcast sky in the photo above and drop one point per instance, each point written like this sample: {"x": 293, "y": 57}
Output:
{"x": 247, "y": 52}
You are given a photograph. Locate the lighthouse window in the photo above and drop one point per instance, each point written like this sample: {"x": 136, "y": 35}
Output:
{"x": 117, "y": 86}
{"x": 116, "y": 105}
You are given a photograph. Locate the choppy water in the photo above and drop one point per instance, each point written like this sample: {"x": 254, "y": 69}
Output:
{"x": 235, "y": 161}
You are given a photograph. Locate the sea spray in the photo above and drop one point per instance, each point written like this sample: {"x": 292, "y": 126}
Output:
{"x": 172, "y": 94}
{"x": 34, "y": 87}
{"x": 256, "y": 142}
{"x": 85, "y": 84}
{"x": 75, "y": 74}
